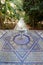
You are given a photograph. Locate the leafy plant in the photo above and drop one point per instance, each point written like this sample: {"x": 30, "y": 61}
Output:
{"x": 12, "y": 8}
{"x": 34, "y": 9}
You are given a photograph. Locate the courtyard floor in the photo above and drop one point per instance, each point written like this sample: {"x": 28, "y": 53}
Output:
{"x": 12, "y": 53}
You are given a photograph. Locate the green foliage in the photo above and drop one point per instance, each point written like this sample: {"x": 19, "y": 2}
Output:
{"x": 12, "y": 8}
{"x": 10, "y": 11}
{"x": 34, "y": 9}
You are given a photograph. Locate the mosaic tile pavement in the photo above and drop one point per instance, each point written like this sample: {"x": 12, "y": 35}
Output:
{"x": 17, "y": 54}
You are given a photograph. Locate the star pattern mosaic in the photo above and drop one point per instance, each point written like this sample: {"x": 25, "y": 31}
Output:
{"x": 12, "y": 53}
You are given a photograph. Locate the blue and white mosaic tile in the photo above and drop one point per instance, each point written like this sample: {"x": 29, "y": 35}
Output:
{"x": 29, "y": 52}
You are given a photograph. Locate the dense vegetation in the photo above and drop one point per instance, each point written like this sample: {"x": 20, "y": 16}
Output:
{"x": 13, "y": 10}
{"x": 34, "y": 12}
{"x": 10, "y": 10}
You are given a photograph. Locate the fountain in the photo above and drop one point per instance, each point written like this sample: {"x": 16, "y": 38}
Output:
{"x": 21, "y": 38}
